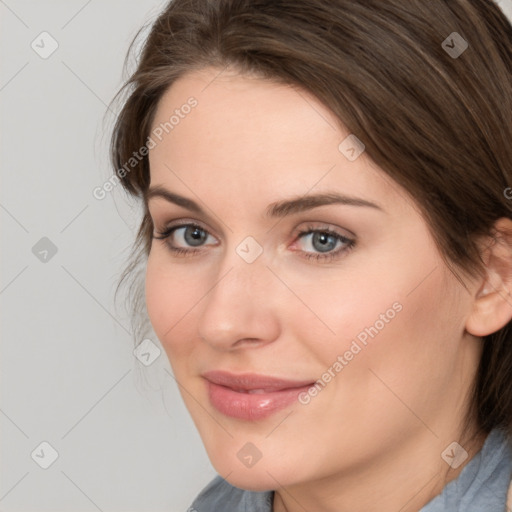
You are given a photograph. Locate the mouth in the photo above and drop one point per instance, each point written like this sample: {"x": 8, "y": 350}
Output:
{"x": 249, "y": 396}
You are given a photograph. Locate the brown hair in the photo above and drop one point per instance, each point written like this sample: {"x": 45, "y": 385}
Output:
{"x": 438, "y": 124}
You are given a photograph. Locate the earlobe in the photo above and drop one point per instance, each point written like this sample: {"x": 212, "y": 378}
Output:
{"x": 492, "y": 306}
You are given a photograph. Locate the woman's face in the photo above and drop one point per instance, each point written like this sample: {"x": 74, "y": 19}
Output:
{"x": 304, "y": 263}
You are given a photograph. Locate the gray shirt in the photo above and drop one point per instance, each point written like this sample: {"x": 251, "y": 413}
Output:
{"x": 481, "y": 486}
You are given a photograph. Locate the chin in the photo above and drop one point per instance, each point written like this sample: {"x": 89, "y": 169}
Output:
{"x": 250, "y": 480}
{"x": 264, "y": 475}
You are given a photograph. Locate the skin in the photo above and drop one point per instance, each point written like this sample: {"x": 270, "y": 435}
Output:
{"x": 388, "y": 415}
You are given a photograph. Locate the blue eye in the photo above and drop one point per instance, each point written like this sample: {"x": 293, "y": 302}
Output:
{"x": 193, "y": 234}
{"x": 323, "y": 240}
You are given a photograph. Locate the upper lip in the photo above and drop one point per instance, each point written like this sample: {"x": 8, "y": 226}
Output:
{"x": 252, "y": 381}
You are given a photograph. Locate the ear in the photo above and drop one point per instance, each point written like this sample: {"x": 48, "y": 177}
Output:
{"x": 492, "y": 306}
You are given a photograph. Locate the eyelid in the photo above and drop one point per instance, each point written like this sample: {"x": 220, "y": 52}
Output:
{"x": 161, "y": 214}
{"x": 184, "y": 223}
{"x": 299, "y": 230}
{"x": 325, "y": 226}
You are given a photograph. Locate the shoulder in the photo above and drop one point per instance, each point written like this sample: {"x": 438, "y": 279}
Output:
{"x": 483, "y": 483}
{"x": 221, "y": 495}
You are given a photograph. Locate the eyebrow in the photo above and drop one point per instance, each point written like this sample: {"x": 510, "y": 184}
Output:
{"x": 277, "y": 209}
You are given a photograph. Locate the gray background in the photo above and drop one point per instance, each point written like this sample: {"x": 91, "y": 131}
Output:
{"x": 69, "y": 376}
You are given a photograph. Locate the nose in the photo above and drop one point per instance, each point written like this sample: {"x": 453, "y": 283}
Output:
{"x": 240, "y": 310}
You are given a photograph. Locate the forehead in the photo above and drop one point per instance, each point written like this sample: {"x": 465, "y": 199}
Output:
{"x": 252, "y": 136}
{"x": 245, "y": 112}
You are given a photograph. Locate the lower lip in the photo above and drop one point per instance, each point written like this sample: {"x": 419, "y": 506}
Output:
{"x": 251, "y": 406}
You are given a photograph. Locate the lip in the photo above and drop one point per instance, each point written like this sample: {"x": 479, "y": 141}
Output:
{"x": 250, "y": 396}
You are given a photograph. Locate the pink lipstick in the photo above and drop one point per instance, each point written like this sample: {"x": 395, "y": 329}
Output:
{"x": 251, "y": 396}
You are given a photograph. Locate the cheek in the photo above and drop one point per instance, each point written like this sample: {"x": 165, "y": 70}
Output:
{"x": 340, "y": 307}
{"x": 157, "y": 302}
{"x": 400, "y": 347}
{"x": 169, "y": 301}
{"x": 393, "y": 318}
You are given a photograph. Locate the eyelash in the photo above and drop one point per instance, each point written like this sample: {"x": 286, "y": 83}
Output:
{"x": 327, "y": 257}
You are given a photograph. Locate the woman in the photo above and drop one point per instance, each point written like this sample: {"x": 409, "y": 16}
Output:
{"x": 327, "y": 246}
